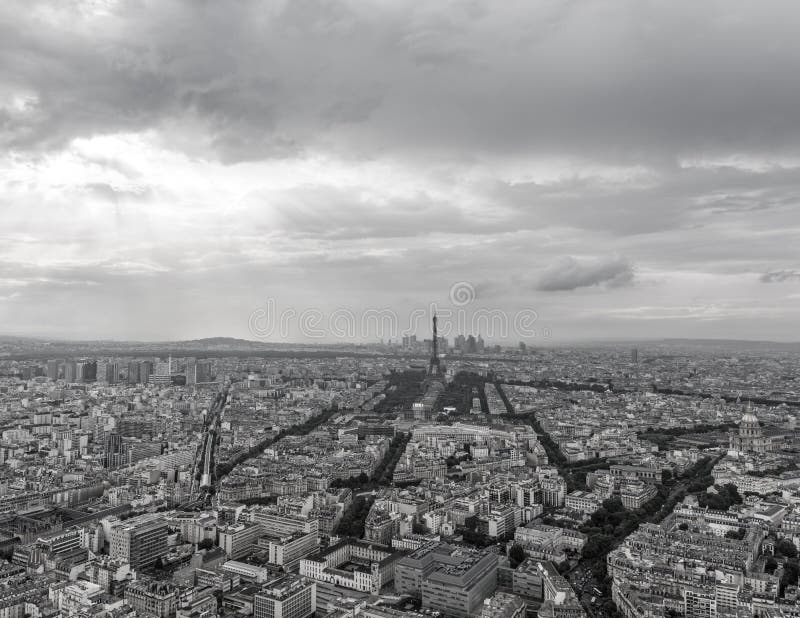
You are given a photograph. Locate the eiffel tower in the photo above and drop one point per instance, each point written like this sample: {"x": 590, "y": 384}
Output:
{"x": 434, "y": 366}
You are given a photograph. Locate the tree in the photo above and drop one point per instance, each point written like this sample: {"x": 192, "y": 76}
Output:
{"x": 597, "y": 546}
{"x": 791, "y": 570}
{"x": 683, "y": 526}
{"x": 205, "y": 544}
{"x": 517, "y": 555}
{"x": 613, "y": 505}
{"x": 599, "y": 570}
{"x": 770, "y": 565}
{"x": 786, "y": 548}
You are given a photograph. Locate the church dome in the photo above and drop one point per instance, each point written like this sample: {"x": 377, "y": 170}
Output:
{"x": 749, "y": 417}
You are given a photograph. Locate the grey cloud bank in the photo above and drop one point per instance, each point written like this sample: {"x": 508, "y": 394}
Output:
{"x": 371, "y": 154}
{"x": 569, "y": 274}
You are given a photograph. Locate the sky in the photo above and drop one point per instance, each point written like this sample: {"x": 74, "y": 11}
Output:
{"x": 607, "y": 169}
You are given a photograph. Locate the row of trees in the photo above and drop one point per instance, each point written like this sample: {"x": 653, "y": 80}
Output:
{"x": 762, "y": 401}
{"x": 458, "y": 393}
{"x": 504, "y": 397}
{"x": 403, "y": 389}
{"x": 353, "y": 519}
{"x": 224, "y": 468}
{"x": 592, "y": 385}
{"x": 612, "y": 523}
{"x": 383, "y": 473}
{"x": 554, "y": 454}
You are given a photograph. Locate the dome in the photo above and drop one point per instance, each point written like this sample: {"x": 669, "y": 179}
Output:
{"x": 749, "y": 417}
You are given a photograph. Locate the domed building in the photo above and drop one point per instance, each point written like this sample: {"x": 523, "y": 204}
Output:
{"x": 750, "y": 438}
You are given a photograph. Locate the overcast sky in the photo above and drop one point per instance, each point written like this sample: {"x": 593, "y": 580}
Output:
{"x": 624, "y": 169}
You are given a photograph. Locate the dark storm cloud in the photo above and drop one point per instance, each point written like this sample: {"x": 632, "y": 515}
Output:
{"x": 628, "y": 81}
{"x": 570, "y": 273}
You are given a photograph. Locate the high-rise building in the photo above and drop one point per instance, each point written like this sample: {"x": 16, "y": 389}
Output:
{"x": 53, "y": 367}
{"x": 71, "y": 372}
{"x": 203, "y": 371}
{"x": 288, "y": 597}
{"x": 238, "y": 540}
{"x": 283, "y": 523}
{"x": 88, "y": 372}
{"x": 163, "y": 369}
{"x": 113, "y": 455}
{"x": 191, "y": 371}
{"x": 198, "y": 372}
{"x": 112, "y": 373}
{"x": 145, "y": 371}
{"x": 140, "y": 541}
{"x": 133, "y": 373}
{"x": 287, "y": 551}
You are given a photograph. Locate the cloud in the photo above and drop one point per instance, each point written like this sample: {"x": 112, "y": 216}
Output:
{"x": 109, "y": 193}
{"x": 570, "y": 273}
{"x": 343, "y": 150}
{"x": 591, "y": 79}
{"x": 780, "y": 276}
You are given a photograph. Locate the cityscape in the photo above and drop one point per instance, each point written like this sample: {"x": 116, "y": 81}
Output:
{"x": 425, "y": 477}
{"x": 398, "y": 309}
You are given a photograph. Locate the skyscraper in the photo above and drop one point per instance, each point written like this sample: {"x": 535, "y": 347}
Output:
{"x": 53, "y": 367}
{"x": 112, "y": 373}
{"x": 163, "y": 369}
{"x": 89, "y": 373}
{"x": 145, "y": 371}
{"x": 70, "y": 372}
{"x": 203, "y": 371}
{"x": 191, "y": 371}
{"x": 198, "y": 372}
{"x": 114, "y": 454}
{"x": 133, "y": 373}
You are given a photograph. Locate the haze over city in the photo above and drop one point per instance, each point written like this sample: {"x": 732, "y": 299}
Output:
{"x": 624, "y": 169}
